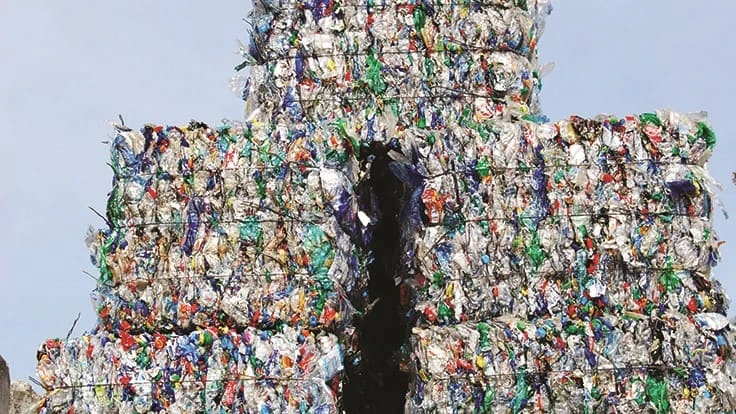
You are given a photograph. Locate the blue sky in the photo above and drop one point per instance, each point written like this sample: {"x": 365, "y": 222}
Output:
{"x": 70, "y": 67}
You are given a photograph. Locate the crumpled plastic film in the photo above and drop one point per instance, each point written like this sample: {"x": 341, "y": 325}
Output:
{"x": 565, "y": 365}
{"x": 544, "y": 267}
{"x": 170, "y": 174}
{"x": 234, "y": 301}
{"x": 254, "y": 273}
{"x": 288, "y": 370}
{"x": 632, "y": 390}
{"x": 395, "y": 84}
{"x": 319, "y": 57}
{"x": 230, "y": 274}
{"x": 493, "y": 166}
{"x": 527, "y": 218}
{"x": 598, "y": 232}
{"x": 239, "y": 226}
{"x": 610, "y": 287}
{"x": 659, "y": 137}
{"x": 279, "y": 27}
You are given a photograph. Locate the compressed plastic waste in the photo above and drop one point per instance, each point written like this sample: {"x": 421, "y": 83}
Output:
{"x": 253, "y": 273}
{"x": 559, "y": 364}
{"x": 280, "y": 28}
{"x": 570, "y": 264}
{"x": 286, "y": 370}
{"x": 170, "y": 175}
{"x": 229, "y": 255}
{"x": 225, "y": 228}
{"x": 537, "y": 266}
{"x": 352, "y": 62}
{"x": 531, "y": 219}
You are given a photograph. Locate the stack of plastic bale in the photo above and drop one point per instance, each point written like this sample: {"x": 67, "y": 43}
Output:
{"x": 228, "y": 275}
{"x": 384, "y": 72}
{"x": 591, "y": 238}
{"x": 556, "y": 267}
{"x": 563, "y": 267}
{"x": 232, "y": 228}
{"x": 568, "y": 265}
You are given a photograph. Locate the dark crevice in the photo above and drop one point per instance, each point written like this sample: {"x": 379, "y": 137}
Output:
{"x": 375, "y": 384}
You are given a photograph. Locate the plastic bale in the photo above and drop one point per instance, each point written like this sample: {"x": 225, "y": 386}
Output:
{"x": 259, "y": 273}
{"x": 554, "y": 365}
{"x": 531, "y": 224}
{"x": 207, "y": 370}
{"x": 349, "y": 61}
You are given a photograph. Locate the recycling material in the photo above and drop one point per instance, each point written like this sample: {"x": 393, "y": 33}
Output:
{"x": 580, "y": 216}
{"x": 544, "y": 266}
{"x": 172, "y": 175}
{"x": 356, "y": 62}
{"x": 229, "y": 236}
{"x": 627, "y": 363}
{"x": 204, "y": 371}
{"x": 229, "y": 277}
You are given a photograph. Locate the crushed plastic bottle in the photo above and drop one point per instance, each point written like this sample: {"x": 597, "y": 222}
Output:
{"x": 289, "y": 370}
{"x": 213, "y": 227}
{"x": 556, "y": 364}
{"x": 532, "y": 219}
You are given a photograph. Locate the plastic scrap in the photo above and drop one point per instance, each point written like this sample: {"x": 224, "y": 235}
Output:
{"x": 352, "y": 62}
{"x": 216, "y": 228}
{"x": 235, "y": 173}
{"x": 545, "y": 267}
{"x": 254, "y": 273}
{"x": 532, "y": 219}
{"x": 626, "y": 362}
{"x": 570, "y": 266}
{"x": 229, "y": 275}
{"x": 204, "y": 371}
